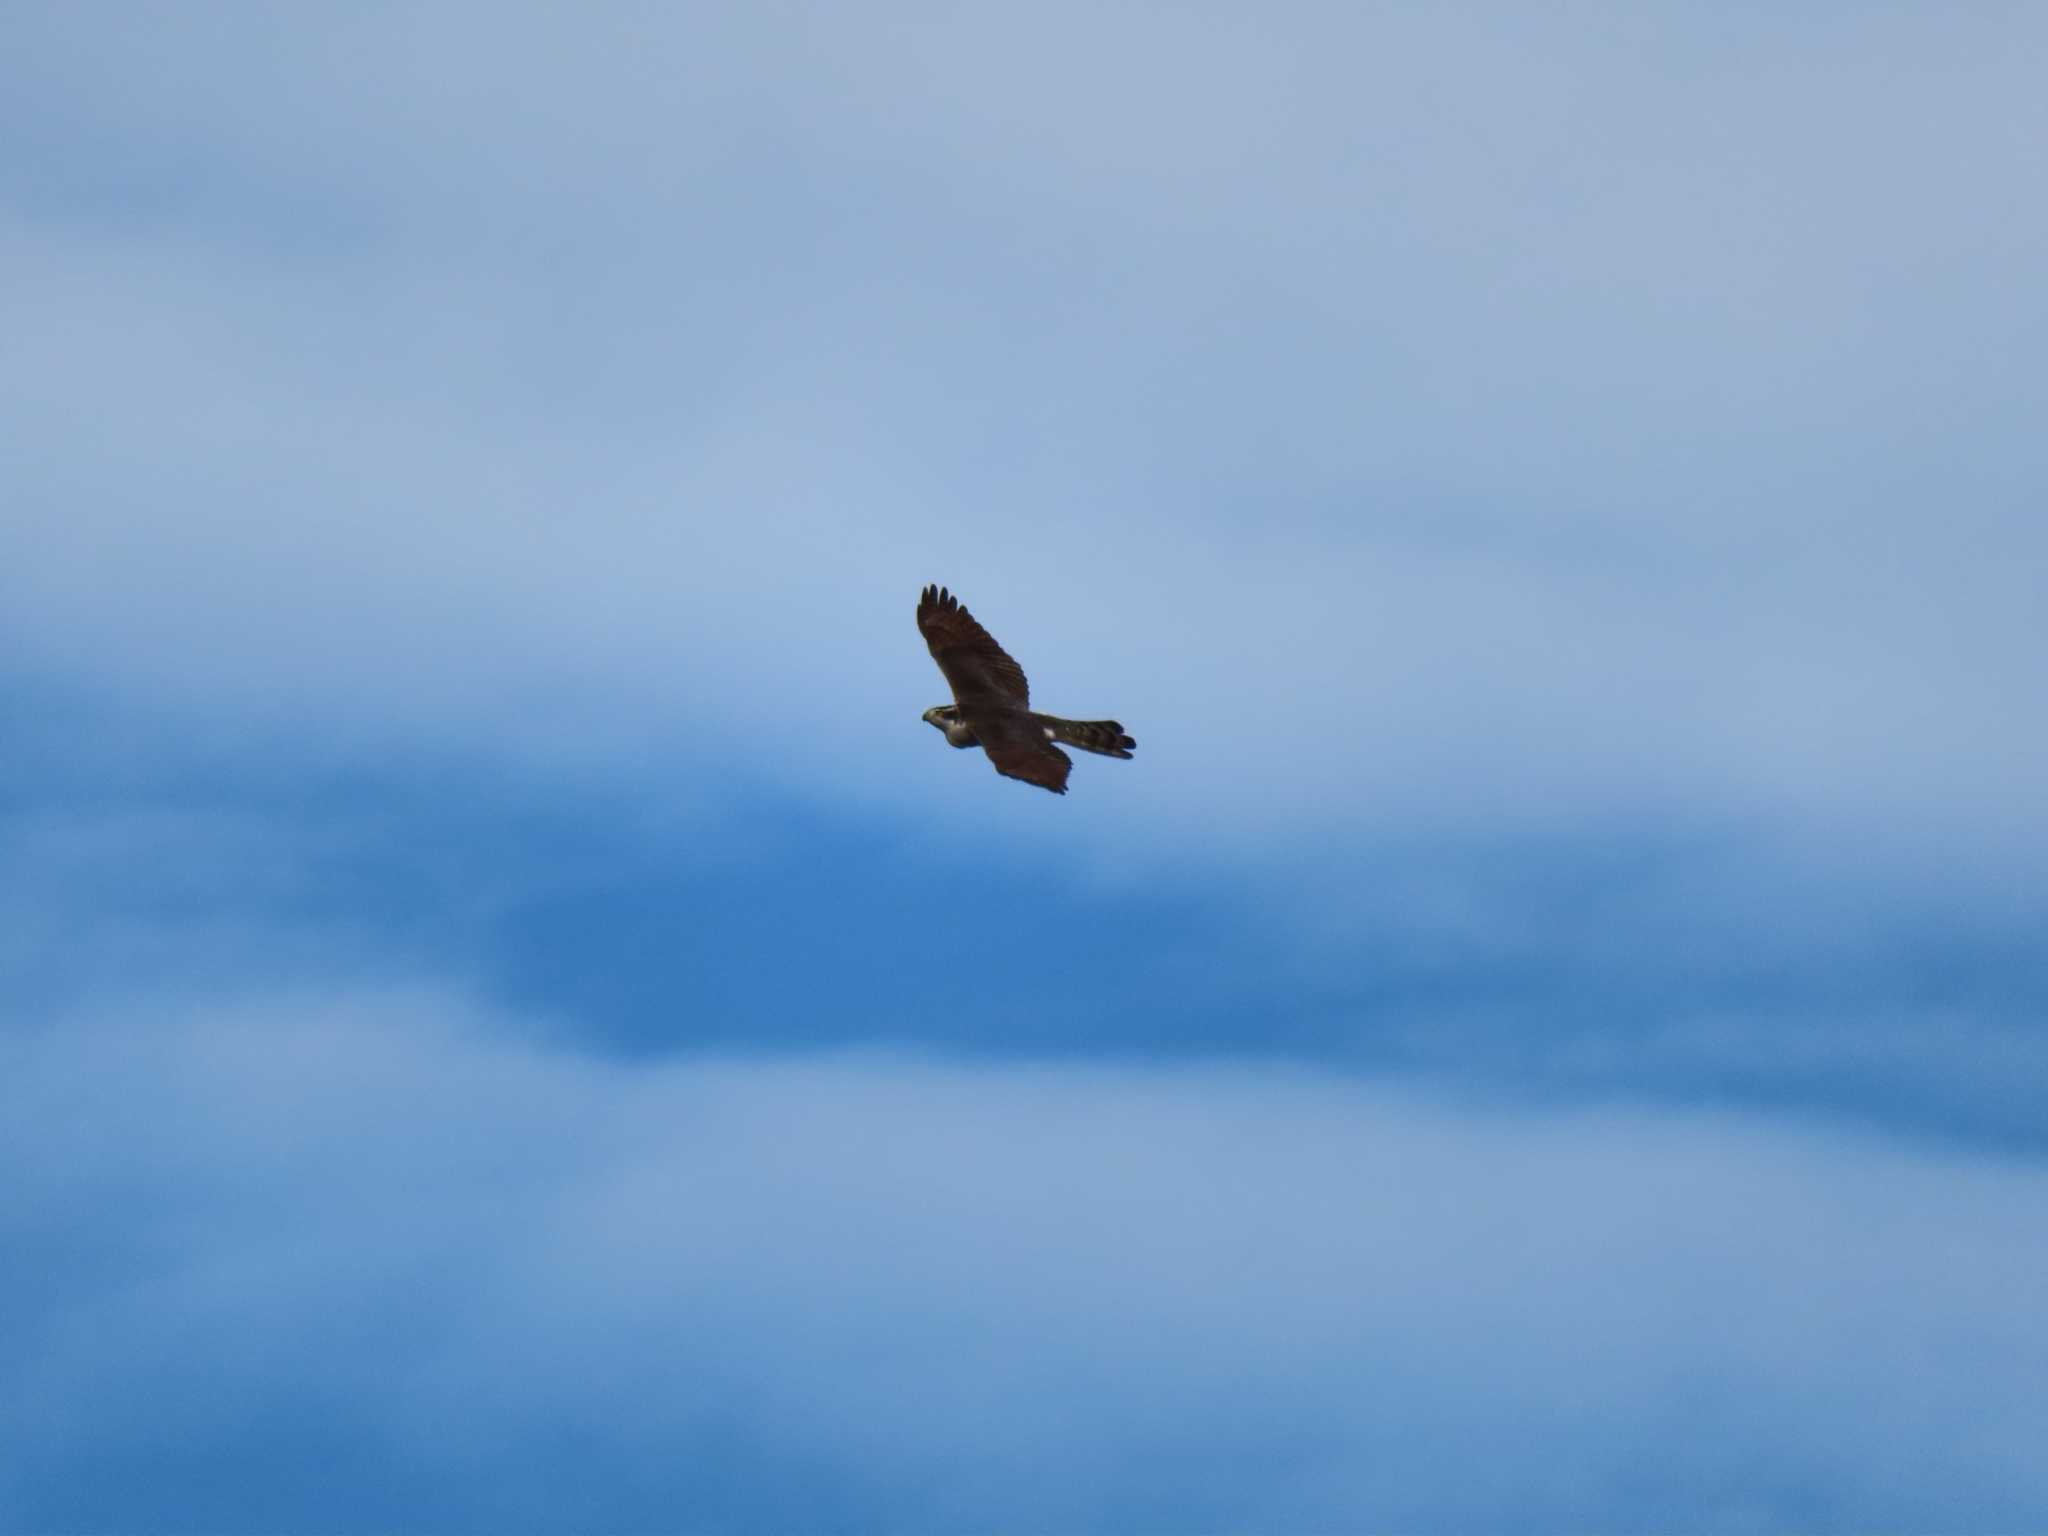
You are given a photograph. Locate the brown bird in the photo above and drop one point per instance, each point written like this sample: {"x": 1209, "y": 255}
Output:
{"x": 991, "y": 702}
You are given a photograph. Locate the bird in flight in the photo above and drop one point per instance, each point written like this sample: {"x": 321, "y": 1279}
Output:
{"x": 991, "y": 702}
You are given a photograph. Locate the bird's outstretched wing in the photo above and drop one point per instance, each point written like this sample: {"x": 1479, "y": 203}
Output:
{"x": 979, "y": 671}
{"x": 1020, "y": 750}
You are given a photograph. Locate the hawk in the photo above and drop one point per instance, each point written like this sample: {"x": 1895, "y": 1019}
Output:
{"x": 991, "y": 700}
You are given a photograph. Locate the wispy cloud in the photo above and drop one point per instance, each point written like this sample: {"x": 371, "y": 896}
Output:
{"x": 510, "y": 1020}
{"x": 377, "y": 1223}
{"x": 1554, "y": 416}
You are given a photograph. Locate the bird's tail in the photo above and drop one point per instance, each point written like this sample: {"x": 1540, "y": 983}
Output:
{"x": 1104, "y": 736}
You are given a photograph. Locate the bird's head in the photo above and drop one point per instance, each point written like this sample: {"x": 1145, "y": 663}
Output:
{"x": 945, "y": 719}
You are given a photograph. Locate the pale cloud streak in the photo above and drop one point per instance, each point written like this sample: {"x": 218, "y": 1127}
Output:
{"x": 1271, "y": 1297}
{"x": 1556, "y": 499}
{"x": 1567, "y": 416}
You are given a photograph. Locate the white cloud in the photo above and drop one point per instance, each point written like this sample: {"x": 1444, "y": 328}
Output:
{"x": 1197, "y": 1297}
{"x": 1558, "y": 417}
{"x": 1434, "y": 430}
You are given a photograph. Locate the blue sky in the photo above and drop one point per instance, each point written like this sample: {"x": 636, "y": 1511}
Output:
{"x": 510, "y": 1020}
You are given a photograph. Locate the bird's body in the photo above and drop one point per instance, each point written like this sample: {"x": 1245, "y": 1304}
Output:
{"x": 991, "y": 702}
